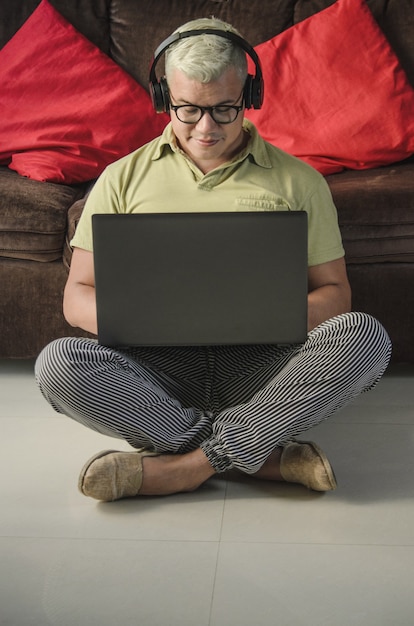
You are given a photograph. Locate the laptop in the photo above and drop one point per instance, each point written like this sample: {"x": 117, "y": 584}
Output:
{"x": 183, "y": 279}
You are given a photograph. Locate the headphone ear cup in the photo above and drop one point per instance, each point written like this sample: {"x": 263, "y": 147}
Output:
{"x": 247, "y": 94}
{"x": 160, "y": 95}
{"x": 257, "y": 92}
{"x": 253, "y": 92}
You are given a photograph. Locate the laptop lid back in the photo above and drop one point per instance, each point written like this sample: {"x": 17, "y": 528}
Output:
{"x": 201, "y": 278}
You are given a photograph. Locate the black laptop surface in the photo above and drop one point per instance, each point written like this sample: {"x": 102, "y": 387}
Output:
{"x": 201, "y": 278}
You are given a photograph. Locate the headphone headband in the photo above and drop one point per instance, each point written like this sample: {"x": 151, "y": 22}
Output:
{"x": 253, "y": 90}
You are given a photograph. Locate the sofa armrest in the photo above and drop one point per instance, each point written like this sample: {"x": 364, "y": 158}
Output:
{"x": 74, "y": 214}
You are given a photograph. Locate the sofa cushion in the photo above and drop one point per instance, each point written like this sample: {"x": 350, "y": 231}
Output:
{"x": 33, "y": 217}
{"x": 376, "y": 213}
{"x": 396, "y": 20}
{"x": 31, "y": 307}
{"x": 335, "y": 93}
{"x": 69, "y": 110}
{"x": 132, "y": 22}
{"x": 90, "y": 17}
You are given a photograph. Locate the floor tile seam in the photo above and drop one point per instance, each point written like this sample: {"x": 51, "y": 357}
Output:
{"x": 318, "y": 544}
{"x": 345, "y": 420}
{"x": 108, "y": 538}
{"x": 223, "y": 505}
{"x": 216, "y": 565}
{"x": 29, "y": 417}
{"x": 214, "y": 585}
{"x": 340, "y": 419}
{"x": 376, "y": 423}
{"x": 218, "y": 543}
{"x": 384, "y": 405}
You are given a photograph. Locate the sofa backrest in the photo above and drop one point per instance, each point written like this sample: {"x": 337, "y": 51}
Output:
{"x": 130, "y": 30}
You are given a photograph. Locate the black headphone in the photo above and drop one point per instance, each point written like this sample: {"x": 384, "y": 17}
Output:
{"x": 253, "y": 88}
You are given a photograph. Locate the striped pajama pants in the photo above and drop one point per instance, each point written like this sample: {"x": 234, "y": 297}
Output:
{"x": 238, "y": 403}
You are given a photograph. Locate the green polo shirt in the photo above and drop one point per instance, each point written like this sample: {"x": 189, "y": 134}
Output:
{"x": 160, "y": 178}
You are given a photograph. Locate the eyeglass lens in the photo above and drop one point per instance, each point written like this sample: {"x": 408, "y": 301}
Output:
{"x": 224, "y": 114}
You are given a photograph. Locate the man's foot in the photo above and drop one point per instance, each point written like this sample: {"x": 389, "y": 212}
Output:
{"x": 112, "y": 475}
{"x": 175, "y": 473}
{"x": 304, "y": 462}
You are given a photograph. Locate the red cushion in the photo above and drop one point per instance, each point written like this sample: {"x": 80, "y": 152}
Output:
{"x": 68, "y": 110}
{"x": 335, "y": 93}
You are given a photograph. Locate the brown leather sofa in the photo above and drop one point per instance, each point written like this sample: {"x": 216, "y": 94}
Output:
{"x": 376, "y": 206}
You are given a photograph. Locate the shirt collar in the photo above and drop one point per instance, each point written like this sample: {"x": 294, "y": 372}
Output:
{"x": 256, "y": 147}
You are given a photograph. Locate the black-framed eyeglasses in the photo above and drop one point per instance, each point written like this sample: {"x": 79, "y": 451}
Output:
{"x": 221, "y": 113}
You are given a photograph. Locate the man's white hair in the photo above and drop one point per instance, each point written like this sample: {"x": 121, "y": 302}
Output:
{"x": 205, "y": 58}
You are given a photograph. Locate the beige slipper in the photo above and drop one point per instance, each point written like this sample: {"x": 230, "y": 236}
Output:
{"x": 304, "y": 462}
{"x": 112, "y": 475}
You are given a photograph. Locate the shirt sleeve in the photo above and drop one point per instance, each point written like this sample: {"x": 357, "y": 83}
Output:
{"x": 324, "y": 236}
{"x": 102, "y": 199}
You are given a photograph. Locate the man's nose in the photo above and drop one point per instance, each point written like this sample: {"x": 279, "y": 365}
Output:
{"x": 206, "y": 122}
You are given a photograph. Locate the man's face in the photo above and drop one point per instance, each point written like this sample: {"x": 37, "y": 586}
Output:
{"x": 207, "y": 143}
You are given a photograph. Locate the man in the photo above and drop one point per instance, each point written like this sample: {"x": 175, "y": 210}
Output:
{"x": 194, "y": 412}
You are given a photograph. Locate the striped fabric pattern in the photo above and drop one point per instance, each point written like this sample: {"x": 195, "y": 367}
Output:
{"x": 238, "y": 403}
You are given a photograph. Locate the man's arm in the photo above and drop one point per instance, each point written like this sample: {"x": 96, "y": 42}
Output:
{"x": 79, "y": 302}
{"x": 329, "y": 292}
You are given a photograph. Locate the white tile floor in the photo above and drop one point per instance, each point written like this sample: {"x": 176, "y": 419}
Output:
{"x": 235, "y": 553}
